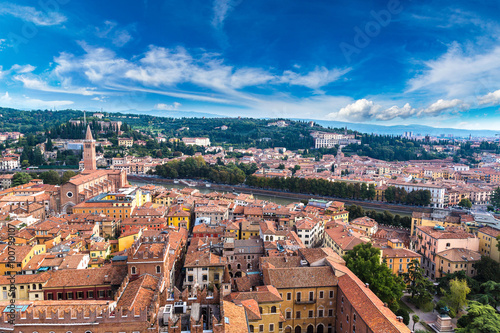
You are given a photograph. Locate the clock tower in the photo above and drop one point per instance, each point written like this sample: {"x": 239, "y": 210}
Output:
{"x": 89, "y": 159}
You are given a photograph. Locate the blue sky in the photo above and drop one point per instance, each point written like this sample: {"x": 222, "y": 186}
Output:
{"x": 434, "y": 63}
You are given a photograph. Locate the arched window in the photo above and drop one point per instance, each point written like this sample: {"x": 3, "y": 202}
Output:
{"x": 238, "y": 266}
{"x": 260, "y": 310}
{"x": 158, "y": 269}
{"x": 249, "y": 266}
{"x": 133, "y": 270}
{"x": 273, "y": 309}
{"x": 251, "y": 328}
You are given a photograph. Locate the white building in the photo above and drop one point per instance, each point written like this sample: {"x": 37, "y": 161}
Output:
{"x": 437, "y": 192}
{"x": 204, "y": 142}
{"x": 310, "y": 232}
{"x": 9, "y": 163}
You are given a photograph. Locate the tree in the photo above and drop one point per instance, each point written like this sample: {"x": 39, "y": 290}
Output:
{"x": 491, "y": 294}
{"x": 364, "y": 261}
{"x": 495, "y": 198}
{"x": 421, "y": 289}
{"x": 479, "y": 319}
{"x": 457, "y": 297}
{"x": 21, "y": 178}
{"x": 487, "y": 270}
{"x": 48, "y": 145}
{"x": 416, "y": 319}
{"x": 466, "y": 203}
{"x": 66, "y": 176}
{"x": 50, "y": 177}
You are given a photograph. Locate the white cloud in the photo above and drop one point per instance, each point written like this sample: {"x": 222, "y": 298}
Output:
{"x": 30, "y": 14}
{"x": 35, "y": 83}
{"x": 167, "y": 107}
{"x": 25, "y": 102}
{"x": 5, "y": 98}
{"x": 221, "y": 9}
{"x": 22, "y": 68}
{"x": 315, "y": 79}
{"x": 459, "y": 73}
{"x": 366, "y": 110}
{"x": 118, "y": 36}
{"x": 490, "y": 98}
{"x": 360, "y": 110}
{"x": 437, "y": 108}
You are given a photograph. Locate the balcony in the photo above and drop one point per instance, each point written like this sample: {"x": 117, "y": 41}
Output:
{"x": 305, "y": 301}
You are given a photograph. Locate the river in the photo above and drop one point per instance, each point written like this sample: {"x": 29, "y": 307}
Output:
{"x": 280, "y": 197}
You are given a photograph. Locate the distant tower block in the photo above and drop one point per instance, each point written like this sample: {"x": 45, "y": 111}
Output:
{"x": 89, "y": 159}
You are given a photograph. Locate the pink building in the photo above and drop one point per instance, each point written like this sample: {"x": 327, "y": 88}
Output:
{"x": 430, "y": 241}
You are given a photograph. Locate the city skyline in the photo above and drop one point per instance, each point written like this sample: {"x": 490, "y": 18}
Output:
{"x": 381, "y": 62}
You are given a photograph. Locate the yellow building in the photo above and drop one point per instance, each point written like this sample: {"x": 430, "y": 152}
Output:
{"x": 249, "y": 229}
{"x": 165, "y": 199}
{"x": 113, "y": 205}
{"x": 28, "y": 287}
{"x": 99, "y": 251}
{"x": 178, "y": 217}
{"x": 125, "y": 241}
{"x": 488, "y": 242}
{"x": 125, "y": 142}
{"x": 419, "y": 219}
{"x": 309, "y": 297}
{"x": 23, "y": 254}
{"x": 455, "y": 260}
{"x": 398, "y": 259}
{"x": 234, "y": 228}
{"x": 262, "y": 307}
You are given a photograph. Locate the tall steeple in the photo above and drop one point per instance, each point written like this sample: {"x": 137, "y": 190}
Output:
{"x": 89, "y": 157}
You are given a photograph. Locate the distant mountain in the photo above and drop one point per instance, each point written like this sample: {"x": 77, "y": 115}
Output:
{"x": 401, "y": 129}
{"x": 360, "y": 127}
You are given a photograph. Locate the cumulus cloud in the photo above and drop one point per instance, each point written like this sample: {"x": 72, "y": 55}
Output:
{"x": 437, "y": 108}
{"x": 364, "y": 110}
{"x": 360, "y": 110}
{"x": 167, "y": 107}
{"x": 315, "y": 79}
{"x": 30, "y": 14}
{"x": 490, "y": 98}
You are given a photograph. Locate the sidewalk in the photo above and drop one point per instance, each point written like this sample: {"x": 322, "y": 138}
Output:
{"x": 428, "y": 317}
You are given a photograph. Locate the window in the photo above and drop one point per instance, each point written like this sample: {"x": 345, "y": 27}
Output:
{"x": 321, "y": 294}
{"x": 311, "y": 313}
{"x": 311, "y": 296}
{"x": 158, "y": 269}
{"x": 288, "y": 296}
{"x": 273, "y": 309}
{"x": 216, "y": 276}
{"x": 251, "y": 328}
{"x": 289, "y": 314}
{"x": 260, "y": 310}
{"x": 320, "y": 313}
{"x": 330, "y": 312}
{"x": 190, "y": 278}
{"x": 261, "y": 328}
{"x": 90, "y": 294}
{"x": 204, "y": 278}
{"x": 347, "y": 318}
{"x": 133, "y": 270}
{"x": 297, "y": 315}
{"x": 447, "y": 244}
{"x": 69, "y": 295}
{"x": 101, "y": 293}
{"x": 50, "y": 296}
{"x": 354, "y": 318}
{"x": 271, "y": 327}
{"x": 80, "y": 294}
{"x": 298, "y": 297}
{"x": 331, "y": 293}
